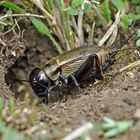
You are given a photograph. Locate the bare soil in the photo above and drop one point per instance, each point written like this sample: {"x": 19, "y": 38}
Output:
{"x": 117, "y": 98}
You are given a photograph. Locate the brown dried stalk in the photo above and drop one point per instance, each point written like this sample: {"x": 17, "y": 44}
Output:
{"x": 112, "y": 28}
{"x": 80, "y": 27}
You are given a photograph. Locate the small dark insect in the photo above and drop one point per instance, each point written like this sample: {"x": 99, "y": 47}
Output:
{"x": 71, "y": 68}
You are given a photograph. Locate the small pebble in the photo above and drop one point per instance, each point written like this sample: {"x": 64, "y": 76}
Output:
{"x": 125, "y": 88}
{"x": 137, "y": 114}
{"x": 128, "y": 101}
{"x": 130, "y": 74}
{"x": 100, "y": 134}
{"x": 135, "y": 88}
{"x": 44, "y": 118}
{"x": 104, "y": 108}
{"x": 86, "y": 93}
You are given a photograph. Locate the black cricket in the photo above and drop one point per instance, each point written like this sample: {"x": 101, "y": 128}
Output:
{"x": 71, "y": 68}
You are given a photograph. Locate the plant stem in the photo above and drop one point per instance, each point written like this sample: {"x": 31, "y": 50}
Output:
{"x": 22, "y": 15}
{"x": 58, "y": 47}
{"x": 80, "y": 27}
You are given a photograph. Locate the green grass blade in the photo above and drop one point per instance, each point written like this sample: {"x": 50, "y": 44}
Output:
{"x": 106, "y": 12}
{"x": 11, "y": 134}
{"x": 125, "y": 22}
{"x": 138, "y": 43}
{"x": 1, "y": 106}
{"x": 12, "y": 105}
{"x": 42, "y": 28}
{"x": 76, "y": 3}
{"x": 58, "y": 47}
{"x": 119, "y": 4}
{"x": 12, "y": 6}
{"x": 121, "y": 127}
{"x": 138, "y": 32}
{"x": 47, "y": 5}
{"x": 2, "y": 127}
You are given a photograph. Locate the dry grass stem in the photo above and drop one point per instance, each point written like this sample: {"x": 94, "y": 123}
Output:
{"x": 112, "y": 28}
{"x": 91, "y": 34}
{"x": 22, "y": 15}
{"x": 96, "y": 2}
{"x": 11, "y": 29}
{"x": 54, "y": 21}
{"x": 72, "y": 41}
{"x": 80, "y": 27}
{"x": 58, "y": 26}
{"x": 112, "y": 38}
{"x": 79, "y": 131}
{"x": 49, "y": 18}
{"x": 3, "y": 23}
{"x": 74, "y": 25}
{"x": 2, "y": 42}
{"x": 132, "y": 65}
{"x": 98, "y": 12}
{"x": 138, "y": 53}
{"x": 39, "y": 4}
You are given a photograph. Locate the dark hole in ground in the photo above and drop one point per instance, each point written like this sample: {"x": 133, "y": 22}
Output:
{"x": 17, "y": 71}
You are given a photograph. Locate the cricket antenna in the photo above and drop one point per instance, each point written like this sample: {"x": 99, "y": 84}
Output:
{"x": 18, "y": 80}
{"x": 119, "y": 46}
{"x": 114, "y": 53}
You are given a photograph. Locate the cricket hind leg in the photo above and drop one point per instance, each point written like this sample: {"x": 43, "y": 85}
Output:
{"x": 92, "y": 64}
{"x": 96, "y": 75}
{"x": 108, "y": 63}
{"x": 84, "y": 71}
